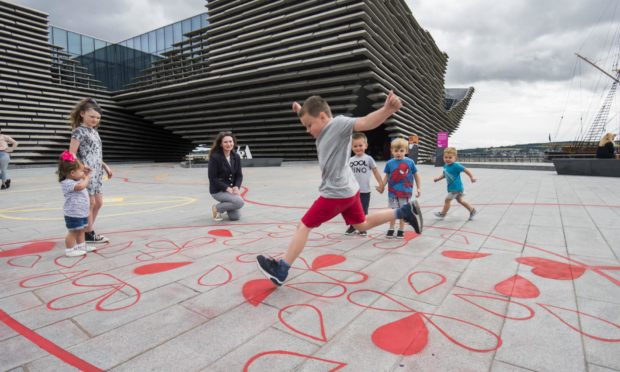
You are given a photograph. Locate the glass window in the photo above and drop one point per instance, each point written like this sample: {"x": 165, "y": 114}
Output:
{"x": 187, "y": 27}
{"x": 144, "y": 40}
{"x": 203, "y": 20}
{"x": 50, "y": 36}
{"x": 88, "y": 45}
{"x": 130, "y": 43}
{"x": 60, "y": 38}
{"x": 178, "y": 33}
{"x": 75, "y": 44}
{"x": 160, "y": 40}
{"x": 195, "y": 23}
{"x": 152, "y": 42}
{"x": 136, "y": 43}
{"x": 99, "y": 44}
{"x": 168, "y": 37}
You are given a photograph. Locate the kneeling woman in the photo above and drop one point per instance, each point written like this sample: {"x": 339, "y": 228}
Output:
{"x": 225, "y": 177}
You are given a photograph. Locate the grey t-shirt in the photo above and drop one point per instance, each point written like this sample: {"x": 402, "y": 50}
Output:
{"x": 333, "y": 147}
{"x": 77, "y": 203}
{"x": 362, "y": 167}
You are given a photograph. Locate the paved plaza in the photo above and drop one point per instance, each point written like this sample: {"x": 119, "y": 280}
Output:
{"x": 533, "y": 283}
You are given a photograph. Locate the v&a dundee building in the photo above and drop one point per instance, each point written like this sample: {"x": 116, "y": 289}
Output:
{"x": 237, "y": 66}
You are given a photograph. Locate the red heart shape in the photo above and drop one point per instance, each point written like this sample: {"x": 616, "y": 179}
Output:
{"x": 517, "y": 286}
{"x": 464, "y": 255}
{"x": 30, "y": 248}
{"x": 552, "y": 269}
{"x": 407, "y": 336}
{"x": 71, "y": 261}
{"x": 426, "y": 275}
{"x": 221, "y": 232}
{"x": 159, "y": 267}
{"x": 205, "y": 283}
{"x": 255, "y": 291}
{"x": 24, "y": 261}
{"x": 327, "y": 260}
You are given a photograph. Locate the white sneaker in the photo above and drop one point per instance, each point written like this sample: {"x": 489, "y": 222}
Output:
{"x": 439, "y": 215}
{"x": 217, "y": 216}
{"x": 74, "y": 252}
{"x": 88, "y": 248}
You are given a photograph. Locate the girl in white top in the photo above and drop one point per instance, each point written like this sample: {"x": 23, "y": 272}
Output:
{"x": 7, "y": 145}
{"x": 74, "y": 179}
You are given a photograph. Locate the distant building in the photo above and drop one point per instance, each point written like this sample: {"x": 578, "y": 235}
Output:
{"x": 237, "y": 68}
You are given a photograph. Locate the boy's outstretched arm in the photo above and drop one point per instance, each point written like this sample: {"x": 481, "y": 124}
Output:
{"x": 376, "y": 118}
{"x": 470, "y": 174}
{"x": 439, "y": 178}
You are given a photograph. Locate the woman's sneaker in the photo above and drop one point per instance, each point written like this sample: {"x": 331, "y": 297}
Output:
{"x": 74, "y": 252}
{"x": 92, "y": 237}
{"x": 217, "y": 216}
{"x": 350, "y": 231}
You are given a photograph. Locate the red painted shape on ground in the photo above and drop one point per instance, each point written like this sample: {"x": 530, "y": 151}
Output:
{"x": 202, "y": 282}
{"x": 517, "y": 286}
{"x": 159, "y": 267}
{"x": 407, "y": 336}
{"x": 255, "y": 291}
{"x": 410, "y": 235}
{"x": 30, "y": 248}
{"x": 46, "y": 344}
{"x": 577, "y": 327}
{"x": 470, "y": 298}
{"x": 464, "y": 255}
{"x": 441, "y": 280}
{"x": 24, "y": 261}
{"x": 74, "y": 261}
{"x": 246, "y": 367}
{"x": 327, "y": 260}
{"x": 322, "y": 337}
{"x": 552, "y": 269}
{"x": 221, "y": 232}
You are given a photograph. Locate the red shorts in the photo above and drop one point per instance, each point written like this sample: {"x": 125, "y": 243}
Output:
{"x": 324, "y": 209}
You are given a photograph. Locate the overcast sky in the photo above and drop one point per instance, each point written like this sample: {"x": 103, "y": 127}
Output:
{"x": 517, "y": 54}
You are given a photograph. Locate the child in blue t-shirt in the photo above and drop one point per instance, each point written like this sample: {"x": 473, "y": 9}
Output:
{"x": 452, "y": 173}
{"x": 400, "y": 172}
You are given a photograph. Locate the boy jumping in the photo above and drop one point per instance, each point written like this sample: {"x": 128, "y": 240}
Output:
{"x": 339, "y": 190}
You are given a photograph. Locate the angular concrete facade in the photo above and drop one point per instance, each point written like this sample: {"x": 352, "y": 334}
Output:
{"x": 242, "y": 72}
{"x": 39, "y": 85}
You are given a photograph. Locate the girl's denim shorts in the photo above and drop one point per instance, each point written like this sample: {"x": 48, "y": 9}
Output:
{"x": 76, "y": 223}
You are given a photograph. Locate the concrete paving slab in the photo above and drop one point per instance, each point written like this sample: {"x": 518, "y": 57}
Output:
{"x": 176, "y": 290}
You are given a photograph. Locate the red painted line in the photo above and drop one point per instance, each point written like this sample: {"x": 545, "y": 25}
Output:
{"x": 46, "y": 344}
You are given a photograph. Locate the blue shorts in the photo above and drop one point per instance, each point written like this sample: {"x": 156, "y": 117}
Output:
{"x": 76, "y": 223}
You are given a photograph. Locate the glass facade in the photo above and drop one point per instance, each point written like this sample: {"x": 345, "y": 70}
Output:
{"x": 117, "y": 64}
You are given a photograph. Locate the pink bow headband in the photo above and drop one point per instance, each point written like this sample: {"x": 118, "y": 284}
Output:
{"x": 67, "y": 156}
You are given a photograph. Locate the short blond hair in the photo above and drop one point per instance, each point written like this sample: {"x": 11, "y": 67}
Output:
{"x": 607, "y": 137}
{"x": 399, "y": 143}
{"x": 450, "y": 150}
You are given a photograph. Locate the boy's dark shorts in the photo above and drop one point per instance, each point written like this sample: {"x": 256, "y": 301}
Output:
{"x": 324, "y": 209}
{"x": 76, "y": 223}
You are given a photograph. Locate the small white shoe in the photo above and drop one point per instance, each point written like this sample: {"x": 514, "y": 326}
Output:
{"x": 217, "y": 216}
{"x": 74, "y": 252}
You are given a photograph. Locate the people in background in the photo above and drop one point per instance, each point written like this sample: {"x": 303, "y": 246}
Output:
{"x": 606, "y": 148}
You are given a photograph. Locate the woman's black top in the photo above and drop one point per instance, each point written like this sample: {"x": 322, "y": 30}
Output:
{"x": 606, "y": 151}
{"x": 223, "y": 175}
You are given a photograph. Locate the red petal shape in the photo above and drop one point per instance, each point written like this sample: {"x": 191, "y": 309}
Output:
{"x": 327, "y": 260}
{"x": 407, "y": 336}
{"x": 517, "y": 286}
{"x": 318, "y": 293}
{"x": 255, "y": 291}
{"x": 410, "y": 235}
{"x": 612, "y": 326}
{"x": 158, "y": 267}
{"x": 49, "y": 279}
{"x": 202, "y": 282}
{"x": 552, "y": 269}
{"x": 30, "y": 248}
{"x": 464, "y": 255}
{"x": 221, "y": 232}
{"x": 68, "y": 262}
{"x": 470, "y": 298}
{"x": 24, "y": 261}
{"x": 246, "y": 367}
{"x": 321, "y": 338}
{"x": 110, "y": 250}
{"x": 438, "y": 280}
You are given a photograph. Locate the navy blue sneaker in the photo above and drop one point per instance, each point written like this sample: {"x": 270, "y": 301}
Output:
{"x": 413, "y": 215}
{"x": 272, "y": 269}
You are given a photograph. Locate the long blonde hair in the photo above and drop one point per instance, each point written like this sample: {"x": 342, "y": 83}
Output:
{"x": 75, "y": 120}
{"x": 607, "y": 137}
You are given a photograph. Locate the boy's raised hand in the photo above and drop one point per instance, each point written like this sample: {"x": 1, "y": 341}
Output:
{"x": 392, "y": 102}
{"x": 296, "y": 107}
